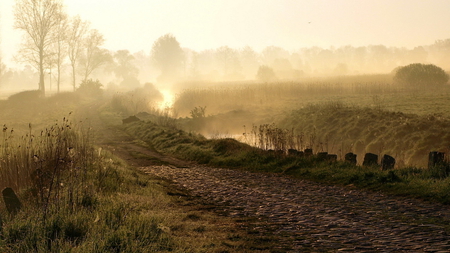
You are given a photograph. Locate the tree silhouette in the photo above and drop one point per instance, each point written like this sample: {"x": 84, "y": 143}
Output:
{"x": 38, "y": 19}
{"x": 168, "y": 56}
{"x": 266, "y": 74}
{"x": 93, "y": 56}
{"x": 418, "y": 74}
{"x": 76, "y": 33}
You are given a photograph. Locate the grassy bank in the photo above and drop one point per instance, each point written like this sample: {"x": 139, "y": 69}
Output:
{"x": 76, "y": 197}
{"x": 431, "y": 184}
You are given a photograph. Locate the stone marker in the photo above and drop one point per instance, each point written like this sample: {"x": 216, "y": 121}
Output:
{"x": 322, "y": 156}
{"x": 130, "y": 119}
{"x": 350, "y": 157}
{"x": 280, "y": 152}
{"x": 12, "y": 202}
{"x": 387, "y": 162}
{"x": 435, "y": 158}
{"x": 370, "y": 159}
{"x": 308, "y": 152}
{"x": 331, "y": 158}
{"x": 292, "y": 152}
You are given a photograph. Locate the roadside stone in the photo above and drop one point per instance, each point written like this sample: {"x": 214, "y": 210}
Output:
{"x": 370, "y": 159}
{"x": 350, "y": 157}
{"x": 387, "y": 162}
{"x": 12, "y": 202}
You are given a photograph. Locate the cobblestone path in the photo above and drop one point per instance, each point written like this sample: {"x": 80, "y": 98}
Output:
{"x": 309, "y": 217}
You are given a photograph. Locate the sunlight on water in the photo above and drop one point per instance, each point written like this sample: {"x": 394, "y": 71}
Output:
{"x": 168, "y": 101}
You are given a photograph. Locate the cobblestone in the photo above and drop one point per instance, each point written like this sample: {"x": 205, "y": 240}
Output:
{"x": 308, "y": 216}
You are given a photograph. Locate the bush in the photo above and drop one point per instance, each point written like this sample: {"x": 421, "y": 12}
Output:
{"x": 418, "y": 74}
{"x": 90, "y": 87}
{"x": 266, "y": 74}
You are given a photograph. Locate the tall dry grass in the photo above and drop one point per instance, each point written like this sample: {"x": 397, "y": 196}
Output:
{"x": 48, "y": 166}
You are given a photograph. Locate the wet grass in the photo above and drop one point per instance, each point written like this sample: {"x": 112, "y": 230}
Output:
{"x": 430, "y": 184}
{"x": 79, "y": 198}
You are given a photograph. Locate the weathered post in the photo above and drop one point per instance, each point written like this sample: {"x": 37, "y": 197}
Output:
{"x": 308, "y": 152}
{"x": 292, "y": 152}
{"x": 350, "y": 157}
{"x": 12, "y": 202}
{"x": 370, "y": 159}
{"x": 322, "y": 156}
{"x": 435, "y": 158}
{"x": 387, "y": 162}
{"x": 331, "y": 158}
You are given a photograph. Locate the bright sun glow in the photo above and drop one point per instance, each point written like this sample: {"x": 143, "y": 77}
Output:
{"x": 168, "y": 100}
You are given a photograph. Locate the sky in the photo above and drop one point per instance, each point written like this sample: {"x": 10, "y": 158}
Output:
{"x": 291, "y": 24}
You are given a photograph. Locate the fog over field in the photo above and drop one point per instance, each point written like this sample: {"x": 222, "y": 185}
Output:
{"x": 229, "y": 40}
{"x": 233, "y": 63}
{"x": 224, "y": 125}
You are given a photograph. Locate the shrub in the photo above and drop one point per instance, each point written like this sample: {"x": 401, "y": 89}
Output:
{"x": 90, "y": 87}
{"x": 418, "y": 74}
{"x": 266, "y": 74}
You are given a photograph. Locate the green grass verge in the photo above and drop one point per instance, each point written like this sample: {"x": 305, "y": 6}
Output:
{"x": 412, "y": 182}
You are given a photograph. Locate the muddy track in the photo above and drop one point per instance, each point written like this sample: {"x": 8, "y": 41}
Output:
{"x": 301, "y": 216}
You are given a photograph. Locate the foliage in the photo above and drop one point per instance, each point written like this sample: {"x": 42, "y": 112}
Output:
{"x": 39, "y": 20}
{"x": 77, "y": 198}
{"x": 198, "y": 112}
{"x": 76, "y": 33}
{"x": 168, "y": 56}
{"x": 410, "y": 181}
{"x": 418, "y": 74}
{"x": 124, "y": 65}
{"x": 265, "y": 74}
{"x": 94, "y": 56}
{"x": 142, "y": 99}
{"x": 90, "y": 87}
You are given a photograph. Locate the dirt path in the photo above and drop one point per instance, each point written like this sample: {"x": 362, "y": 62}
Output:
{"x": 301, "y": 216}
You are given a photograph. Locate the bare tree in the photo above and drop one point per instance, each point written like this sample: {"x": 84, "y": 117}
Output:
{"x": 60, "y": 46}
{"x": 38, "y": 19}
{"x": 76, "y": 33}
{"x": 94, "y": 56}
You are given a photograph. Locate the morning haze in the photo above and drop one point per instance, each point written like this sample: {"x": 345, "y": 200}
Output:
{"x": 126, "y": 122}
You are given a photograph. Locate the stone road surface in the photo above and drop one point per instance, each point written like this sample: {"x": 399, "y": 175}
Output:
{"x": 309, "y": 217}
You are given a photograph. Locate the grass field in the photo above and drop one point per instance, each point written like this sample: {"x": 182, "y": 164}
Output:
{"x": 403, "y": 122}
{"x": 77, "y": 197}
{"x": 347, "y": 116}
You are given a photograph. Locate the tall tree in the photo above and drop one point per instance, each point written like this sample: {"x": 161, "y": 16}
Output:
{"x": 124, "y": 66}
{"x": 38, "y": 19}
{"x": 168, "y": 57}
{"x": 76, "y": 33}
{"x": 228, "y": 60}
{"x": 60, "y": 47}
{"x": 93, "y": 56}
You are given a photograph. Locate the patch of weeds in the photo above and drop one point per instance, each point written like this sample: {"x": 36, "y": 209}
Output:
{"x": 76, "y": 229}
{"x": 200, "y": 229}
{"x": 193, "y": 217}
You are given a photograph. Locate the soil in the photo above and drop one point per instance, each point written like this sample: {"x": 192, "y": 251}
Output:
{"x": 295, "y": 215}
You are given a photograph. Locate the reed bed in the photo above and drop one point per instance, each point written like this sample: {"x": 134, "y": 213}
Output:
{"x": 231, "y": 97}
{"x": 50, "y": 166}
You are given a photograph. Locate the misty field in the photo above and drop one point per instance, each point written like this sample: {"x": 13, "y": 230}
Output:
{"x": 336, "y": 116}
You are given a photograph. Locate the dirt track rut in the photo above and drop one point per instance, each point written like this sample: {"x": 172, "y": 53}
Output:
{"x": 305, "y": 216}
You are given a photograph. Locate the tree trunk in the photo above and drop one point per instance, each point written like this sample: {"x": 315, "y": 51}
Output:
{"x": 59, "y": 76}
{"x": 41, "y": 78}
{"x": 73, "y": 76}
